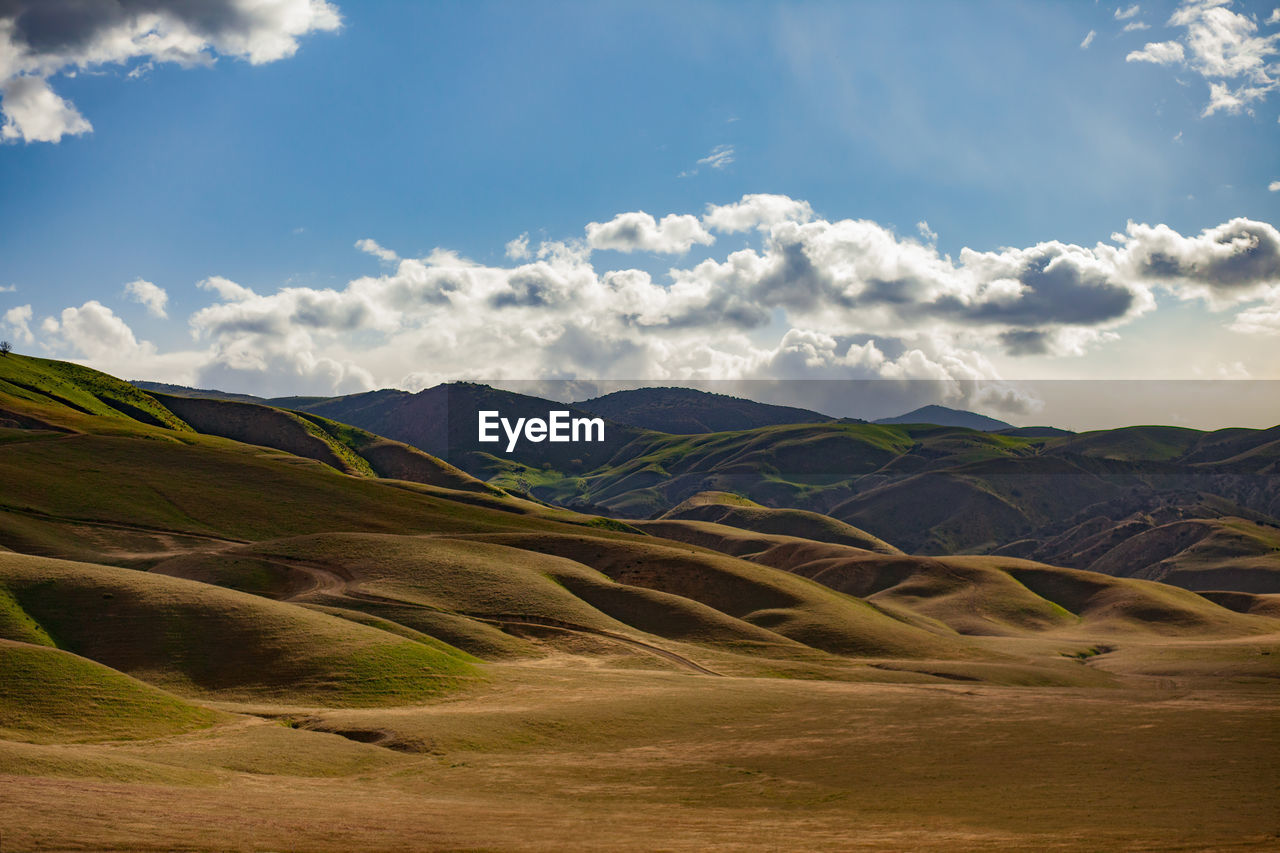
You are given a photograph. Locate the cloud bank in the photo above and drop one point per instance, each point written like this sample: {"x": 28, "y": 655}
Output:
{"x": 809, "y": 297}
{"x": 41, "y": 38}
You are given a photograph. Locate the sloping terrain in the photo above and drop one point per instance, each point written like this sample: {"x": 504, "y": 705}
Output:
{"x": 198, "y": 640}
{"x": 735, "y": 511}
{"x": 192, "y": 626}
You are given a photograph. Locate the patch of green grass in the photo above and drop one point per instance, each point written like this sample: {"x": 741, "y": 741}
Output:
{"x": 51, "y": 695}
{"x": 72, "y": 388}
{"x": 16, "y": 624}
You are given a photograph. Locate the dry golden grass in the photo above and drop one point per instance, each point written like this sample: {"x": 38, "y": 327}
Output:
{"x": 554, "y": 757}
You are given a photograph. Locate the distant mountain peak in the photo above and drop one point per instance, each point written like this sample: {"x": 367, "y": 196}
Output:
{"x": 689, "y": 411}
{"x": 943, "y": 416}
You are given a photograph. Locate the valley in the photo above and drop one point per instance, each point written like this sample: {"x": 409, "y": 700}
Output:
{"x": 308, "y": 635}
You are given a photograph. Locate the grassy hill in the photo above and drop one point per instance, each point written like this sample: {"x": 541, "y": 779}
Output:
{"x": 199, "y": 640}
{"x": 55, "y": 696}
{"x": 735, "y": 511}
{"x": 195, "y": 626}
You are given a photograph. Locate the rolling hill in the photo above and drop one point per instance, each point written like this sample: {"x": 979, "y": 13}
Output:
{"x": 213, "y": 608}
{"x": 1050, "y": 495}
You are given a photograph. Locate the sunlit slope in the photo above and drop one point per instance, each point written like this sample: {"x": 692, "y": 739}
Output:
{"x": 464, "y": 590}
{"x": 61, "y": 395}
{"x": 1220, "y": 553}
{"x": 50, "y": 695}
{"x": 1131, "y": 444}
{"x": 124, "y": 488}
{"x": 262, "y": 425}
{"x": 794, "y": 607}
{"x": 979, "y": 595}
{"x": 200, "y": 640}
{"x": 735, "y": 511}
{"x": 102, "y": 486}
{"x": 346, "y": 448}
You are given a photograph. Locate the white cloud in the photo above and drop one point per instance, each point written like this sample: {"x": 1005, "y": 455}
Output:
{"x": 1161, "y": 53}
{"x": 720, "y": 157}
{"x": 1134, "y": 26}
{"x": 518, "y": 249}
{"x": 151, "y": 295}
{"x": 639, "y": 231}
{"x": 1224, "y": 47}
{"x": 8, "y": 288}
{"x": 1125, "y": 14}
{"x": 1274, "y": 186}
{"x": 371, "y": 247}
{"x": 33, "y": 113}
{"x": 96, "y": 333}
{"x": 40, "y": 38}
{"x": 757, "y": 210}
{"x": 18, "y": 319}
{"x": 808, "y": 297}
{"x": 1264, "y": 320}
{"x": 1274, "y": 17}
{"x": 1088, "y": 40}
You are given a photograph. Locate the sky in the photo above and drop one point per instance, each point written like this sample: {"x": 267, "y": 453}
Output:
{"x": 307, "y": 197}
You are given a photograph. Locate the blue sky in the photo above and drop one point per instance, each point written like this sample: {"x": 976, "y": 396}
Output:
{"x": 461, "y": 126}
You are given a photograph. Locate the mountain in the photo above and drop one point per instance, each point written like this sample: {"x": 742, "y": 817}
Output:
{"x": 942, "y": 416}
{"x": 686, "y": 411}
{"x": 443, "y": 422}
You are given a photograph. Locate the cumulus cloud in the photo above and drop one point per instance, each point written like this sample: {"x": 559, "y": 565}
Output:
{"x": 1274, "y": 186}
{"x": 1223, "y": 46}
{"x": 18, "y": 321}
{"x": 1134, "y": 26}
{"x": 1161, "y": 53}
{"x": 93, "y": 331}
{"x": 808, "y": 297}
{"x": 33, "y": 113}
{"x": 757, "y": 210}
{"x": 1230, "y": 263}
{"x": 1088, "y": 39}
{"x": 1125, "y": 14}
{"x": 41, "y": 38}
{"x": 639, "y": 231}
{"x": 151, "y": 295}
{"x": 518, "y": 249}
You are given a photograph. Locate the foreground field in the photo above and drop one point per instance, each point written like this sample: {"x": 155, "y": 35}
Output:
{"x": 550, "y": 756}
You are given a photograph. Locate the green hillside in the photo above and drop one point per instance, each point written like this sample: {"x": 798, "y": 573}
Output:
{"x": 202, "y": 641}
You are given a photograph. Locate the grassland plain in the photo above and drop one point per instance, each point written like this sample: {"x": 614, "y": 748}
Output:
{"x": 210, "y": 642}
